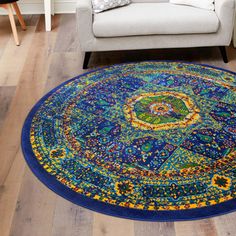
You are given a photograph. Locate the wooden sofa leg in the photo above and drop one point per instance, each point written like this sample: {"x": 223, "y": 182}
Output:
{"x": 86, "y": 60}
{"x": 224, "y": 54}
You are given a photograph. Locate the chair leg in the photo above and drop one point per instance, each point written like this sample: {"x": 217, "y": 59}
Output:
{"x": 86, "y": 60}
{"x": 13, "y": 23}
{"x": 18, "y": 13}
{"x": 224, "y": 54}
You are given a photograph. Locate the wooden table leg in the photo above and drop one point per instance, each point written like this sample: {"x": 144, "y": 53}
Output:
{"x": 47, "y": 9}
{"x": 18, "y": 13}
{"x": 13, "y": 23}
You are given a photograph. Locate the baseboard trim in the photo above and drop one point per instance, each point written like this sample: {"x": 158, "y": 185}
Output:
{"x": 65, "y": 7}
{"x": 38, "y": 7}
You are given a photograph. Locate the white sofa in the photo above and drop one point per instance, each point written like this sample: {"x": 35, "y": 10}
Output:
{"x": 147, "y": 24}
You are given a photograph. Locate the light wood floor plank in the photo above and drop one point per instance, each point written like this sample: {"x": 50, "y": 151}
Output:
{"x": 67, "y": 37}
{"x": 35, "y": 208}
{"x": 231, "y": 65}
{"x": 63, "y": 67}
{"x": 9, "y": 192}
{"x": 14, "y": 57}
{"x": 106, "y": 225}
{"x": 226, "y": 225}
{"x": 30, "y": 20}
{"x": 29, "y": 89}
{"x": 154, "y": 229}
{"x": 5, "y": 32}
{"x": 35, "y": 203}
{"x": 196, "y": 228}
{"x": 6, "y": 95}
{"x": 71, "y": 220}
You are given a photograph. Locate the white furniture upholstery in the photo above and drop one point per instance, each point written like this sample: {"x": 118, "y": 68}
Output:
{"x": 204, "y": 4}
{"x": 146, "y": 24}
{"x": 150, "y": 19}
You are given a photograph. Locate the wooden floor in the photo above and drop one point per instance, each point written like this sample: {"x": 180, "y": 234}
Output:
{"x": 44, "y": 60}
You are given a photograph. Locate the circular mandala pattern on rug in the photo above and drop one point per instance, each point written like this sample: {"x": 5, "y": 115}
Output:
{"x": 148, "y": 141}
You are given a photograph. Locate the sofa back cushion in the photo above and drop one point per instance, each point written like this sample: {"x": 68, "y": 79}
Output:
{"x": 150, "y": 0}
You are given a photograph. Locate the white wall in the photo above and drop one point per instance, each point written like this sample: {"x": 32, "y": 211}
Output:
{"x": 36, "y": 6}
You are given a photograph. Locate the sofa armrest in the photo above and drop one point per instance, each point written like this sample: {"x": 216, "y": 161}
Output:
{"x": 221, "y": 5}
{"x": 225, "y": 10}
{"x": 84, "y": 19}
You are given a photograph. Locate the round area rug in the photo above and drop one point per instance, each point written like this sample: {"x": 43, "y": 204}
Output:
{"x": 148, "y": 141}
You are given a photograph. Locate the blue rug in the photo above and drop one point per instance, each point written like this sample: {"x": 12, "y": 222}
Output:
{"x": 151, "y": 141}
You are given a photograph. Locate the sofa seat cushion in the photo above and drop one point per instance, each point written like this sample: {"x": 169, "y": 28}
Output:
{"x": 154, "y": 18}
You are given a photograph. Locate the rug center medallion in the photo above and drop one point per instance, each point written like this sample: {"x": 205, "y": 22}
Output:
{"x": 161, "y": 110}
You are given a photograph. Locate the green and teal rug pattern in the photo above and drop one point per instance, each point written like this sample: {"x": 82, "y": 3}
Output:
{"x": 148, "y": 141}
